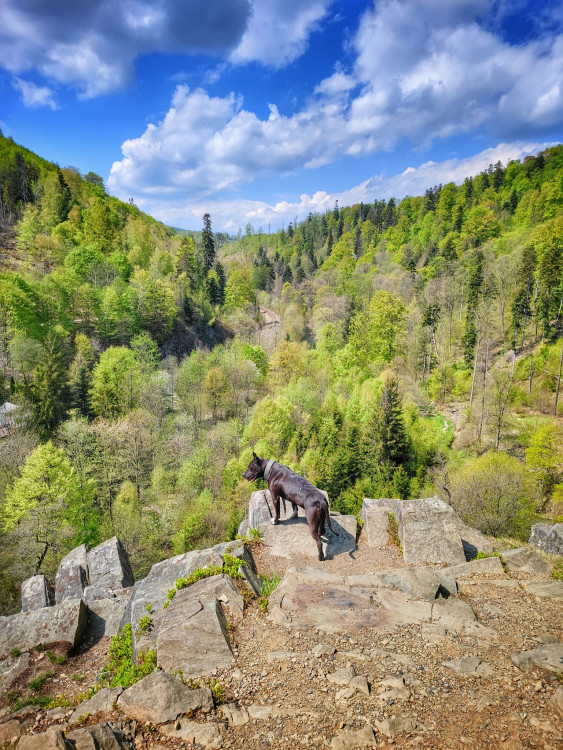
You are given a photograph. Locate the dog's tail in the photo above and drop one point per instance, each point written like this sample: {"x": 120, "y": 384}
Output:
{"x": 327, "y": 518}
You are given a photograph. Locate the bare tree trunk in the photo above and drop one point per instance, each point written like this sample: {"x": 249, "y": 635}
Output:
{"x": 558, "y": 380}
{"x": 474, "y": 371}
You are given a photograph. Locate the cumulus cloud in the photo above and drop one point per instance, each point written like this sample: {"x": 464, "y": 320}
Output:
{"x": 33, "y": 95}
{"x": 230, "y": 215}
{"x": 93, "y": 45}
{"x": 279, "y": 30}
{"x": 423, "y": 70}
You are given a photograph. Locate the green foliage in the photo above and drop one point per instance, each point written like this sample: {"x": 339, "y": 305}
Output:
{"x": 36, "y": 684}
{"x": 393, "y": 531}
{"x": 269, "y": 584}
{"x": 120, "y": 670}
{"x": 56, "y": 658}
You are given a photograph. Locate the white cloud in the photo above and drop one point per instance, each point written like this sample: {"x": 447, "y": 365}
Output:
{"x": 33, "y": 95}
{"x": 279, "y": 30}
{"x": 229, "y": 215}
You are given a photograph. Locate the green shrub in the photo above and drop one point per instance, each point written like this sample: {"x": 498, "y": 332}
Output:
{"x": 269, "y": 585}
{"x": 120, "y": 670}
{"x": 37, "y": 682}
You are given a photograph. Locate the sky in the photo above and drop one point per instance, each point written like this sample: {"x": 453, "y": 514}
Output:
{"x": 260, "y": 111}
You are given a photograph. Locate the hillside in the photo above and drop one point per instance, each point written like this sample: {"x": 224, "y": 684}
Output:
{"x": 418, "y": 352}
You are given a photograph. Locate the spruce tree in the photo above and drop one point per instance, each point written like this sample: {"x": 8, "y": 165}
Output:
{"x": 208, "y": 242}
{"x": 390, "y": 427}
{"x": 48, "y": 394}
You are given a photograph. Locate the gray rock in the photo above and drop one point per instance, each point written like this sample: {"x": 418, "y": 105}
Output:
{"x": 109, "y": 567}
{"x": 397, "y": 725}
{"x": 100, "y": 737}
{"x": 36, "y": 593}
{"x": 548, "y": 538}
{"x": 72, "y": 575}
{"x": 545, "y": 589}
{"x": 162, "y": 577}
{"x": 106, "y": 616}
{"x": 101, "y": 701}
{"x": 193, "y": 634}
{"x": 349, "y": 740}
{"x": 207, "y": 735}
{"x": 525, "y": 560}
{"x": 342, "y": 676}
{"x": 375, "y": 515}
{"x": 234, "y": 715}
{"x": 51, "y": 740}
{"x": 62, "y": 623}
{"x": 160, "y": 697}
{"x": 9, "y": 732}
{"x": 429, "y": 532}
{"x": 483, "y": 566}
{"x": 423, "y": 583}
{"x": 549, "y": 657}
{"x": 10, "y": 670}
{"x": 469, "y": 665}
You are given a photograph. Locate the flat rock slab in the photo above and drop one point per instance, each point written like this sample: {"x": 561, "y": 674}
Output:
{"x": 548, "y": 538}
{"x": 313, "y": 598}
{"x": 51, "y": 740}
{"x": 10, "y": 670}
{"x": 36, "y": 593}
{"x": 549, "y": 657}
{"x": 160, "y": 697}
{"x": 421, "y": 583}
{"x": 193, "y": 635}
{"x": 63, "y": 623}
{"x": 349, "y": 740}
{"x": 483, "y": 566}
{"x": 545, "y": 589}
{"x": 292, "y": 536}
{"x": 525, "y": 560}
{"x": 203, "y": 735}
{"x": 72, "y": 575}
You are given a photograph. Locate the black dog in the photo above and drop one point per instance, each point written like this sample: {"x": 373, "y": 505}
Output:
{"x": 285, "y": 483}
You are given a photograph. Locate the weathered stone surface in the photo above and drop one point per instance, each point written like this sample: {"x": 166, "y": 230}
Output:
{"x": 72, "y": 575}
{"x": 162, "y": 577}
{"x": 429, "y": 532}
{"x": 545, "y": 589}
{"x": 549, "y": 657}
{"x": 10, "y": 670}
{"x": 342, "y": 676}
{"x": 109, "y": 567}
{"x": 100, "y": 701}
{"x": 106, "y": 616}
{"x": 557, "y": 700}
{"x": 525, "y": 560}
{"x": 469, "y": 665}
{"x": 51, "y": 740}
{"x": 10, "y": 731}
{"x": 422, "y": 583}
{"x": 193, "y": 634}
{"x": 100, "y": 737}
{"x": 234, "y": 715}
{"x": 36, "y": 593}
{"x": 206, "y": 735}
{"x": 483, "y": 566}
{"x": 349, "y": 740}
{"x": 161, "y": 697}
{"x": 375, "y": 515}
{"x": 396, "y": 725}
{"x": 63, "y": 623}
{"x": 548, "y": 538}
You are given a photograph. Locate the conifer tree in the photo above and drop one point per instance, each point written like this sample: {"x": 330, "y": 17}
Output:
{"x": 208, "y": 242}
{"x": 48, "y": 394}
{"x": 390, "y": 429}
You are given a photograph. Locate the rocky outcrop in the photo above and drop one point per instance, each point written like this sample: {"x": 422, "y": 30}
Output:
{"x": 10, "y": 670}
{"x": 193, "y": 635}
{"x": 161, "y": 697}
{"x": 63, "y": 624}
{"x": 545, "y": 589}
{"x": 548, "y": 538}
{"x": 51, "y": 740}
{"x": 107, "y": 736}
{"x": 100, "y": 702}
{"x": 549, "y": 657}
{"x": 108, "y": 569}
{"x": 525, "y": 560}
{"x": 36, "y": 593}
{"x": 72, "y": 575}
{"x": 429, "y": 530}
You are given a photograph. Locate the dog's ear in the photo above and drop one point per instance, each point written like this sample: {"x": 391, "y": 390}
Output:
{"x": 254, "y": 454}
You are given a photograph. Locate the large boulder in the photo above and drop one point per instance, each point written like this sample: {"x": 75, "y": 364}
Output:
{"x": 72, "y": 575}
{"x": 160, "y": 697}
{"x": 548, "y": 538}
{"x": 429, "y": 532}
{"x": 36, "y": 593}
{"x": 193, "y": 635}
{"x": 63, "y": 624}
{"x": 150, "y": 594}
{"x": 109, "y": 567}
{"x": 107, "y": 616}
{"x": 375, "y": 515}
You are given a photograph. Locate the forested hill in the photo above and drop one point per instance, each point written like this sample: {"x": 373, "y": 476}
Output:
{"x": 418, "y": 353}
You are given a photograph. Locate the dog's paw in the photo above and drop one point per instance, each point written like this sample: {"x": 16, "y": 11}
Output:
{"x": 273, "y": 521}
{"x": 294, "y": 515}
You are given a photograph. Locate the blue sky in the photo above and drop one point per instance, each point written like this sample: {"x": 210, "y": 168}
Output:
{"x": 258, "y": 111}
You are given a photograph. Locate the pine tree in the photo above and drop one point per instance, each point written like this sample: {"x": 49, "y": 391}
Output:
{"x": 390, "y": 427}
{"x": 48, "y": 394}
{"x": 208, "y": 242}
{"x": 222, "y": 279}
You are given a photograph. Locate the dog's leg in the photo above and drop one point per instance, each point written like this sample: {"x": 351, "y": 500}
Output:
{"x": 276, "y": 503}
{"x": 314, "y": 520}
{"x": 295, "y": 510}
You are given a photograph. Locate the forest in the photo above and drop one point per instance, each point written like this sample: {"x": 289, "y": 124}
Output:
{"x": 419, "y": 353}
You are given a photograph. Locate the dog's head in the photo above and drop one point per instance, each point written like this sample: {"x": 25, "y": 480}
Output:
{"x": 255, "y": 468}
